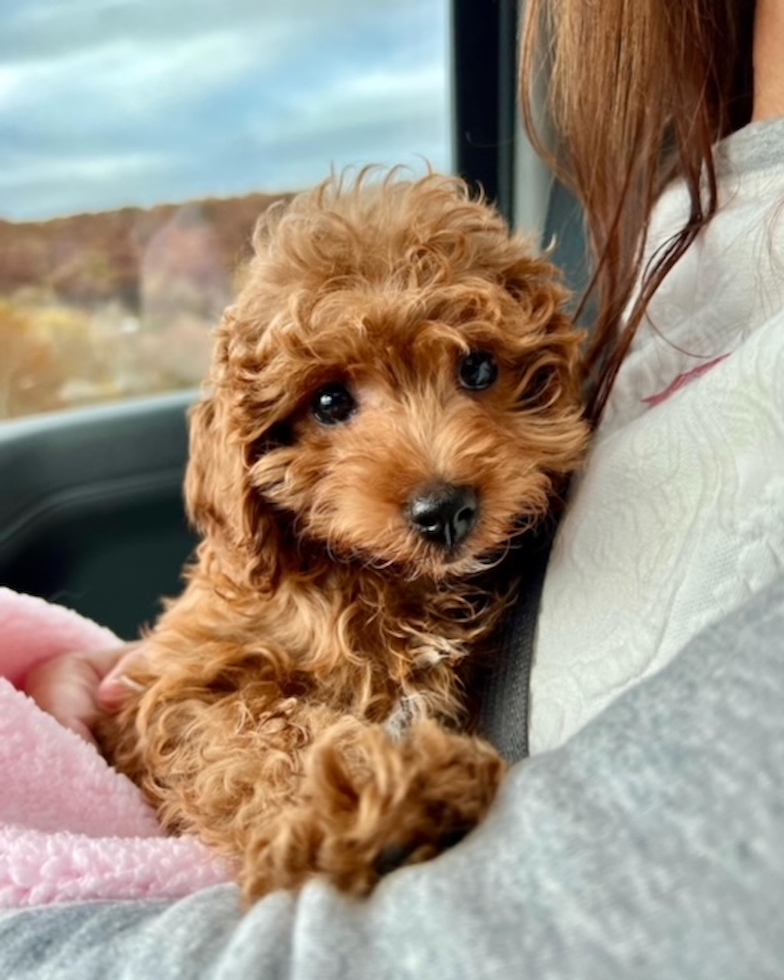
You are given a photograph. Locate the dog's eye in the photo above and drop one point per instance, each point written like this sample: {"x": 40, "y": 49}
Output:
{"x": 333, "y": 404}
{"x": 478, "y": 370}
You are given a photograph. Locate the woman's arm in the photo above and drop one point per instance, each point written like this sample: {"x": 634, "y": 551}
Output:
{"x": 649, "y": 845}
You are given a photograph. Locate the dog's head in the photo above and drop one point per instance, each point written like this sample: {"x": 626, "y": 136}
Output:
{"x": 396, "y": 384}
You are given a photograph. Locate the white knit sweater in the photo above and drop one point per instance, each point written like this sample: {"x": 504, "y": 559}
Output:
{"x": 679, "y": 515}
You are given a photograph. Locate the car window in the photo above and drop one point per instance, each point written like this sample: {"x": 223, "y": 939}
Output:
{"x": 141, "y": 141}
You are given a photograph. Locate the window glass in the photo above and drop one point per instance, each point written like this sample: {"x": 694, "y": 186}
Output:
{"x": 142, "y": 139}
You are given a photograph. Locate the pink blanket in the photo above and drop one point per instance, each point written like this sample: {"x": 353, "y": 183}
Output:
{"x": 71, "y": 828}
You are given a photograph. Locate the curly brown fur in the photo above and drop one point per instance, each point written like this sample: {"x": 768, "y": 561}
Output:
{"x": 301, "y": 701}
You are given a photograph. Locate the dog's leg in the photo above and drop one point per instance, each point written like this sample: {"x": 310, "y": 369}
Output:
{"x": 369, "y": 803}
{"x": 287, "y": 789}
{"x": 220, "y": 766}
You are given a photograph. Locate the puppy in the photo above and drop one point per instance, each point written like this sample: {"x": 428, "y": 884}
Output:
{"x": 393, "y": 399}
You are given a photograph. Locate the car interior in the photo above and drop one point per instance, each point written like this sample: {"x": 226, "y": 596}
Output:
{"x": 91, "y": 512}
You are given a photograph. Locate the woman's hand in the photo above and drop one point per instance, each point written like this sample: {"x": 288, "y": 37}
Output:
{"x": 76, "y": 687}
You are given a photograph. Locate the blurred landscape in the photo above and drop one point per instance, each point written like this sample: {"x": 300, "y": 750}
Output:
{"x": 98, "y": 307}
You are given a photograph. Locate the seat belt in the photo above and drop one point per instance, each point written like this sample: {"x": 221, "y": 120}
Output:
{"x": 503, "y": 701}
{"x": 503, "y": 706}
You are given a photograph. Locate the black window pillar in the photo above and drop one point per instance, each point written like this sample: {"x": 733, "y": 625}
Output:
{"x": 484, "y": 59}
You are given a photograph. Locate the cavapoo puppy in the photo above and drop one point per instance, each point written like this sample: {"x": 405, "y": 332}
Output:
{"x": 393, "y": 399}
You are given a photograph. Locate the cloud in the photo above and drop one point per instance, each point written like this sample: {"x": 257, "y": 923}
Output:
{"x": 105, "y": 103}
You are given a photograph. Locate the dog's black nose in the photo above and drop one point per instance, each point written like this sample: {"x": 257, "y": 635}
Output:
{"x": 444, "y": 513}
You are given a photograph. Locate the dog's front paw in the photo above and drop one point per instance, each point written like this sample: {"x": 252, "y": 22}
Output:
{"x": 370, "y": 804}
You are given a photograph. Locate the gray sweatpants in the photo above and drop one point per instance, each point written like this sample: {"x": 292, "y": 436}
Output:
{"x": 651, "y": 845}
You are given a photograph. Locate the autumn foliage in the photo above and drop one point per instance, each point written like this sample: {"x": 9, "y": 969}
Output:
{"x": 103, "y": 306}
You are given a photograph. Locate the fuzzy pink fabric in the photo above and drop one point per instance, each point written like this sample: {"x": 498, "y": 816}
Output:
{"x": 71, "y": 827}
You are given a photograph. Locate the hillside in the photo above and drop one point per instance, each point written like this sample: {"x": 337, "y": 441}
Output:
{"x": 90, "y": 257}
{"x": 102, "y": 306}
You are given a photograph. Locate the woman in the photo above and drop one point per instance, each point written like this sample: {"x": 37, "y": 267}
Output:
{"x": 679, "y": 516}
{"x": 649, "y": 842}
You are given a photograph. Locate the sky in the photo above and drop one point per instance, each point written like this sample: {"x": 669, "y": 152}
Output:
{"x": 108, "y": 103}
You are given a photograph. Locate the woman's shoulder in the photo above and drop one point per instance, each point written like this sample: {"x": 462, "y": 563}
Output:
{"x": 754, "y": 149}
{"x": 677, "y": 515}
{"x": 724, "y": 289}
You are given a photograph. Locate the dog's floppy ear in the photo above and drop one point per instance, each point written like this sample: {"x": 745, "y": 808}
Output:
{"x": 550, "y": 362}
{"x": 535, "y": 284}
{"x": 239, "y": 527}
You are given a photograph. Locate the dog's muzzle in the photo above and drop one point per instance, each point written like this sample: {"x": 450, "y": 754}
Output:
{"x": 443, "y": 513}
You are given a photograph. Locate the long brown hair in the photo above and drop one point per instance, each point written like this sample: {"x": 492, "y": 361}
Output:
{"x": 636, "y": 93}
